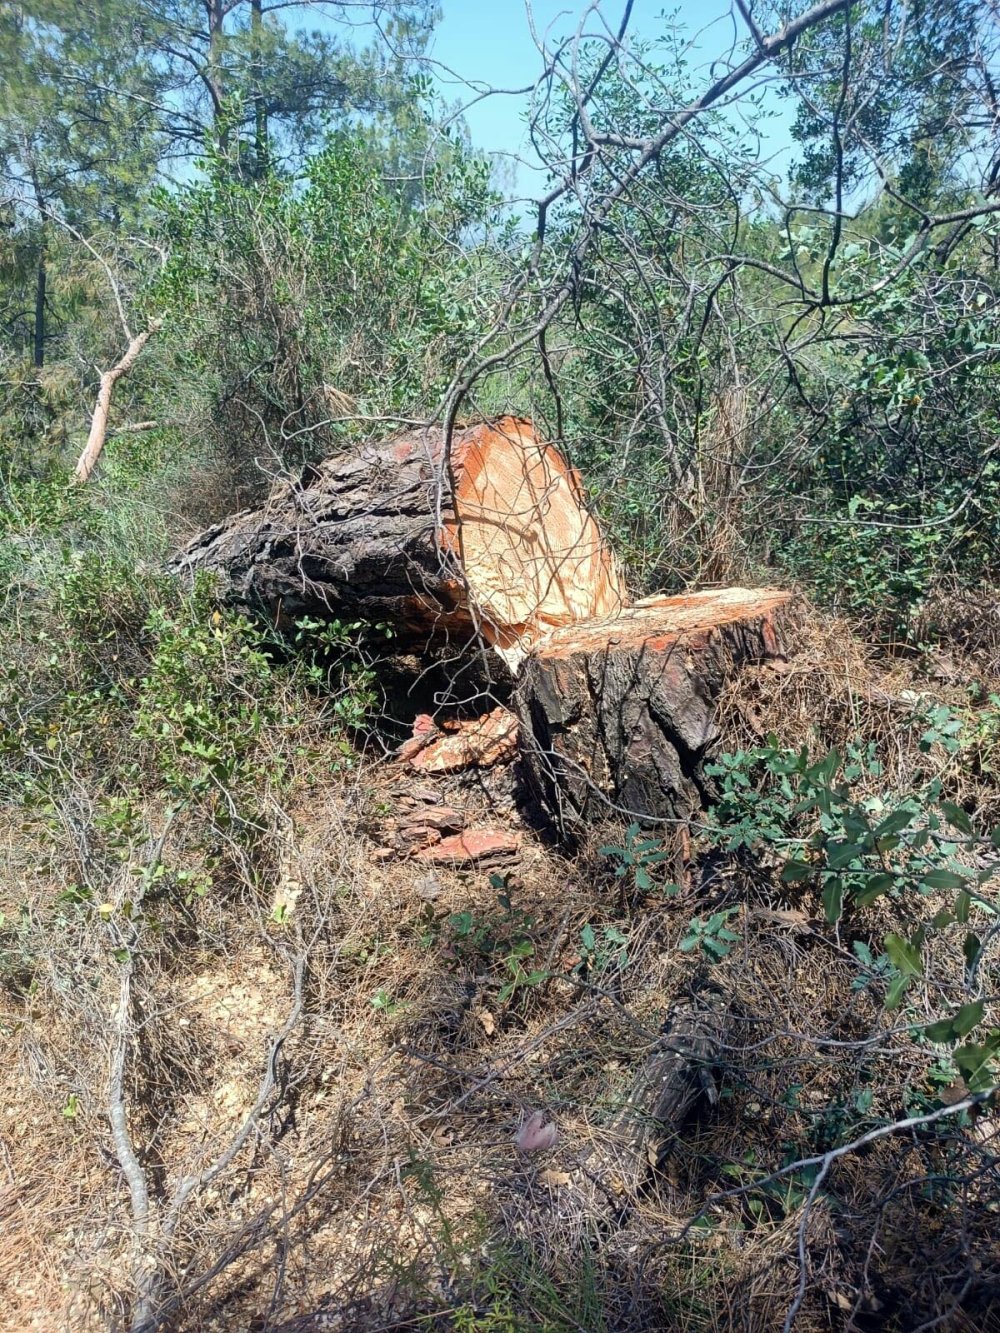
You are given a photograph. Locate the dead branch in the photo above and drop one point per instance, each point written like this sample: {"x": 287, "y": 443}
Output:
{"x": 99, "y": 421}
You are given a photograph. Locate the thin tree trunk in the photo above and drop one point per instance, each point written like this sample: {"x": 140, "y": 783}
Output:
{"x": 39, "y": 345}
{"x": 99, "y": 421}
{"x": 216, "y": 19}
{"x": 261, "y": 145}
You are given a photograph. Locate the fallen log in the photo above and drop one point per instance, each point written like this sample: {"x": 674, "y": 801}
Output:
{"x": 617, "y": 714}
{"x": 496, "y": 539}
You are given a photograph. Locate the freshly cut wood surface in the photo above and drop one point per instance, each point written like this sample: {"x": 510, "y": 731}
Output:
{"x": 532, "y": 552}
{"x": 618, "y": 714}
{"x": 498, "y": 540}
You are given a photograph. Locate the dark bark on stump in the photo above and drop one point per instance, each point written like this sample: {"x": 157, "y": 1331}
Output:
{"x": 617, "y": 716}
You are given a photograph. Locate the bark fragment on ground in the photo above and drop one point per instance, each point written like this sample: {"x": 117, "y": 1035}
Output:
{"x": 459, "y": 745}
{"x": 478, "y": 848}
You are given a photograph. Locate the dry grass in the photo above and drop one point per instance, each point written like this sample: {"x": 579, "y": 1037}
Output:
{"x": 380, "y": 1188}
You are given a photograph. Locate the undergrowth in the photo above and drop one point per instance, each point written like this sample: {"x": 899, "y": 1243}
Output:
{"x": 320, "y": 1062}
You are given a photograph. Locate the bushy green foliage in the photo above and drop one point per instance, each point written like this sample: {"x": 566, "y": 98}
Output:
{"x": 112, "y": 674}
{"x": 637, "y": 859}
{"x": 504, "y": 935}
{"x": 842, "y": 839}
{"x": 299, "y": 304}
{"x": 904, "y": 488}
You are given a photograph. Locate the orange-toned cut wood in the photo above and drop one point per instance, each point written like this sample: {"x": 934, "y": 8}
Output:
{"x": 657, "y": 623}
{"x": 532, "y": 553}
{"x": 499, "y": 543}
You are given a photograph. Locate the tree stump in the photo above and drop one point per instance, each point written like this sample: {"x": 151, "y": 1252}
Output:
{"x": 617, "y": 714}
{"x": 497, "y": 539}
{"x": 678, "y": 1073}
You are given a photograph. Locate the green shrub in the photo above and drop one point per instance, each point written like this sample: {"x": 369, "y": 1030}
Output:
{"x": 836, "y": 837}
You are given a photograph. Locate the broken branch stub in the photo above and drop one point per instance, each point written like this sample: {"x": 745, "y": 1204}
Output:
{"x": 94, "y": 447}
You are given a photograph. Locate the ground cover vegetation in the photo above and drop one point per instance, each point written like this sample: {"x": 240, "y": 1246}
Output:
{"x": 255, "y": 1076}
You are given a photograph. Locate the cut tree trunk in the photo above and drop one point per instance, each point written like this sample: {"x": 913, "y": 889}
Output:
{"x": 497, "y": 539}
{"x": 617, "y": 715}
{"x": 678, "y": 1074}
{"x": 615, "y": 703}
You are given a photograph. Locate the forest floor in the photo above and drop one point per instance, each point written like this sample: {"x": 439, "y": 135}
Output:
{"x": 381, "y": 1187}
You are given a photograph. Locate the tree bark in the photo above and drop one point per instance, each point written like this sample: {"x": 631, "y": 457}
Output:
{"x": 262, "y": 153}
{"x": 617, "y": 715}
{"x": 499, "y": 541}
{"x": 677, "y": 1075}
{"x": 99, "y": 421}
{"x": 213, "y": 76}
{"x": 39, "y": 332}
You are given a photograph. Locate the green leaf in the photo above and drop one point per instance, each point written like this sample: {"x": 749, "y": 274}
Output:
{"x": 973, "y": 1061}
{"x": 646, "y": 846}
{"x": 968, "y": 1017}
{"x": 875, "y": 887}
{"x": 863, "y": 953}
{"x": 943, "y": 879}
{"x": 826, "y": 768}
{"x": 884, "y": 845}
{"x": 715, "y": 946}
{"x": 895, "y": 991}
{"x": 894, "y": 823}
{"x": 794, "y": 872}
{"x": 833, "y": 899}
{"x": 957, "y": 817}
{"x": 940, "y": 1032}
{"x": 904, "y": 956}
{"x": 840, "y": 854}
{"x": 971, "y": 946}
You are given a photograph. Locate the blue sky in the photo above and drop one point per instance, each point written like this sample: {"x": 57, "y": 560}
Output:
{"x": 488, "y": 43}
